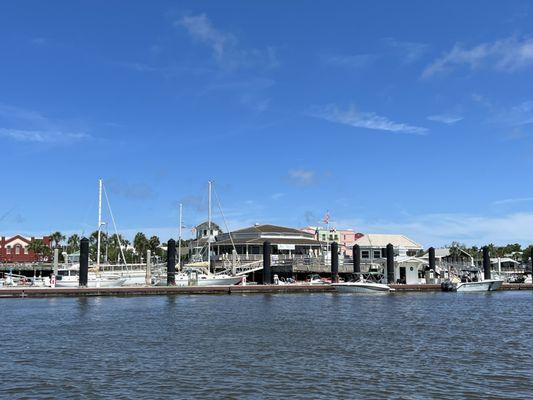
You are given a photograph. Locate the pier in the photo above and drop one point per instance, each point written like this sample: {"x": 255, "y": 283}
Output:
{"x": 190, "y": 290}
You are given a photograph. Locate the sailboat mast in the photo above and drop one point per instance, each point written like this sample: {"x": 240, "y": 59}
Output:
{"x": 179, "y": 238}
{"x": 209, "y": 224}
{"x": 99, "y": 223}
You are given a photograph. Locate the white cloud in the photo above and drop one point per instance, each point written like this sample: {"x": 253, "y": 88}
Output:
{"x": 30, "y": 126}
{"x": 441, "y": 229}
{"x": 513, "y": 201}
{"x": 521, "y": 114}
{"x": 507, "y": 55}
{"x": 368, "y": 120}
{"x": 408, "y": 51}
{"x": 51, "y": 137}
{"x": 302, "y": 177}
{"x": 449, "y": 119}
{"x": 225, "y": 46}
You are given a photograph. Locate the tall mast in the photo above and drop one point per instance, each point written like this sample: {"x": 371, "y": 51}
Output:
{"x": 99, "y": 223}
{"x": 179, "y": 239}
{"x": 209, "y": 224}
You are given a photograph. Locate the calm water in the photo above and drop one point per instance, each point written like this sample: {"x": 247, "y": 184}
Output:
{"x": 405, "y": 346}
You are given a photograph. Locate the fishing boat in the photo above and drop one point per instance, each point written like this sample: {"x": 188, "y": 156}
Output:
{"x": 362, "y": 287}
{"x": 470, "y": 281}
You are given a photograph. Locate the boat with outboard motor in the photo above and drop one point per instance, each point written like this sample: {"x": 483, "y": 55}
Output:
{"x": 470, "y": 280}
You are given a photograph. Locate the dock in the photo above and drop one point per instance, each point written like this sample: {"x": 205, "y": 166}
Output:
{"x": 23, "y": 292}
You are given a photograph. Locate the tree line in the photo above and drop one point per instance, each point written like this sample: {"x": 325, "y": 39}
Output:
{"x": 514, "y": 251}
{"x": 112, "y": 247}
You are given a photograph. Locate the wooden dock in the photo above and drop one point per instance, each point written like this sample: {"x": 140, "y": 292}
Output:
{"x": 22, "y": 292}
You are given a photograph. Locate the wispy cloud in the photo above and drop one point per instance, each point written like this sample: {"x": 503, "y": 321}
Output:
{"x": 408, "y": 51}
{"x": 521, "y": 114}
{"x": 513, "y": 201}
{"x": 302, "y": 177}
{"x": 506, "y": 55}
{"x": 277, "y": 196}
{"x": 361, "y": 119}
{"x": 448, "y": 119}
{"x": 225, "y": 46}
{"x": 51, "y": 137}
{"x": 30, "y": 126}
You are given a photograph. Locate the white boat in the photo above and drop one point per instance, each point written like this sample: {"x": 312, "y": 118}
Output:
{"x": 362, "y": 287}
{"x": 486, "y": 285}
{"x": 69, "y": 278}
{"x": 199, "y": 277}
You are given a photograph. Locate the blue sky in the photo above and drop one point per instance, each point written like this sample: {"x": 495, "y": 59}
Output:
{"x": 401, "y": 117}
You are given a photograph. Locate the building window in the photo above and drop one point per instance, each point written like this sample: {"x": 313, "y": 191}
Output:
{"x": 377, "y": 253}
{"x": 17, "y": 249}
{"x": 323, "y": 237}
{"x": 26, "y": 251}
{"x": 365, "y": 254}
{"x": 8, "y": 250}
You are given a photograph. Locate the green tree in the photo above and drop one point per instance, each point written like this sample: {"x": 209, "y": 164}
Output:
{"x": 153, "y": 244}
{"x": 57, "y": 238}
{"x": 73, "y": 243}
{"x": 40, "y": 249}
{"x": 140, "y": 244}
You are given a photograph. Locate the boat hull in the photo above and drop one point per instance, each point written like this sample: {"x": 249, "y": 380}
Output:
{"x": 488, "y": 285}
{"x": 361, "y": 287}
{"x": 91, "y": 283}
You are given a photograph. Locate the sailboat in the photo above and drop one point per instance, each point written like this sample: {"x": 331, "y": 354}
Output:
{"x": 198, "y": 273}
{"x": 68, "y": 277}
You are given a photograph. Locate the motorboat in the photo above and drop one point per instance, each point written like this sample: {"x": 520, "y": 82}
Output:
{"x": 470, "y": 281}
{"x": 362, "y": 287}
{"x": 315, "y": 279}
{"x": 69, "y": 278}
{"x": 485, "y": 285}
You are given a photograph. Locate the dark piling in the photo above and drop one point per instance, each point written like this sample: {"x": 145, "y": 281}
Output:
{"x": 390, "y": 263}
{"x": 84, "y": 262}
{"x": 267, "y": 270}
{"x": 171, "y": 263}
{"x": 334, "y": 262}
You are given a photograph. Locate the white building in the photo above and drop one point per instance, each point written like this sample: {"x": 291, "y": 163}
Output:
{"x": 373, "y": 246}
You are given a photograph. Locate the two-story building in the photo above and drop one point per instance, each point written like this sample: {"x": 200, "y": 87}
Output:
{"x": 16, "y": 249}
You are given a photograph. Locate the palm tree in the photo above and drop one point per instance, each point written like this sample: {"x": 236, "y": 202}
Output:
{"x": 40, "y": 249}
{"x": 153, "y": 244}
{"x": 57, "y": 238}
{"x": 73, "y": 243}
{"x": 140, "y": 243}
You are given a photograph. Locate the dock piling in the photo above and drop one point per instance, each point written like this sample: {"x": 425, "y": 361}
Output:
{"x": 356, "y": 259}
{"x": 56, "y": 261}
{"x": 431, "y": 254}
{"x": 486, "y": 262}
{"x": 334, "y": 262}
{"x": 171, "y": 263}
{"x": 390, "y": 263}
{"x": 148, "y": 277}
{"x": 267, "y": 271}
{"x": 84, "y": 262}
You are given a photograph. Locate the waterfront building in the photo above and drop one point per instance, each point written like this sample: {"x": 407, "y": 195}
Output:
{"x": 198, "y": 245}
{"x": 16, "y": 249}
{"x": 373, "y": 246}
{"x": 344, "y": 237}
{"x": 248, "y": 242}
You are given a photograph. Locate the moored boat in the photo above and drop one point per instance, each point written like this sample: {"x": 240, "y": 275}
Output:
{"x": 362, "y": 287}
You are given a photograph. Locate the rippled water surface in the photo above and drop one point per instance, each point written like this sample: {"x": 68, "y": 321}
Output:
{"x": 405, "y": 346}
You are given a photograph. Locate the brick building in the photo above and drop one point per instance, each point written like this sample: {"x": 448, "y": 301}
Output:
{"x": 16, "y": 249}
